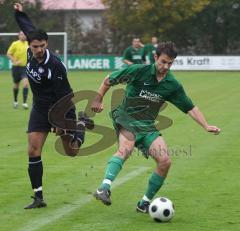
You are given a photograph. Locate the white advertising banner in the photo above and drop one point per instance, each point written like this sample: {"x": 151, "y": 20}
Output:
{"x": 207, "y": 63}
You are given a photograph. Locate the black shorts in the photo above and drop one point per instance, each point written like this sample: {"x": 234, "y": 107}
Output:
{"x": 38, "y": 121}
{"x": 18, "y": 73}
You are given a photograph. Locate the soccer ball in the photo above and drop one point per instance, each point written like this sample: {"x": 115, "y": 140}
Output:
{"x": 161, "y": 209}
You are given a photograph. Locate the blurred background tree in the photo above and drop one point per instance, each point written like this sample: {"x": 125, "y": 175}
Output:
{"x": 146, "y": 18}
{"x": 205, "y": 26}
{"x": 40, "y": 18}
{"x": 197, "y": 27}
{"x": 214, "y": 30}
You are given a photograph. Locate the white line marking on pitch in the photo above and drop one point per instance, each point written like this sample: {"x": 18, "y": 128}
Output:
{"x": 52, "y": 216}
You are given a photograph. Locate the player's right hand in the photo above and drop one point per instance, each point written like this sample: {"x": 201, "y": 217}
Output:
{"x": 213, "y": 129}
{"x": 18, "y": 6}
{"x": 97, "y": 105}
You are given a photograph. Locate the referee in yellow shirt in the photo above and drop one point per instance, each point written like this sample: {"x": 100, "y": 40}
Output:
{"x": 17, "y": 53}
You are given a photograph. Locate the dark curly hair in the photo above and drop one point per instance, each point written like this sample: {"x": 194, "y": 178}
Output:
{"x": 37, "y": 35}
{"x": 168, "y": 48}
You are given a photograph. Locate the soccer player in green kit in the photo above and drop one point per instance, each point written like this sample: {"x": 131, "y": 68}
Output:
{"x": 148, "y": 87}
{"x": 149, "y": 50}
{"x": 134, "y": 53}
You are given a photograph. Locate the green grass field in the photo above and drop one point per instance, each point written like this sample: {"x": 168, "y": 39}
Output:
{"x": 203, "y": 182}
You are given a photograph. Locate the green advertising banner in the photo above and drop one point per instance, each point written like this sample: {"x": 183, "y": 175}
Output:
{"x": 79, "y": 62}
{"x": 109, "y": 63}
{"x": 76, "y": 62}
{"x": 5, "y": 64}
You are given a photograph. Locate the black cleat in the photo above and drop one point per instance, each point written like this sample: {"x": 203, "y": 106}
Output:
{"x": 103, "y": 195}
{"x": 37, "y": 203}
{"x": 144, "y": 208}
{"x": 89, "y": 123}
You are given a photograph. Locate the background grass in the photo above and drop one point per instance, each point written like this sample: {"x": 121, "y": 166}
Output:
{"x": 203, "y": 182}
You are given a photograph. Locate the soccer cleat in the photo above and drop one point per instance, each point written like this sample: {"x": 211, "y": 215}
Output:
{"x": 144, "y": 208}
{"x": 82, "y": 117}
{"x": 25, "y": 106}
{"x": 15, "y": 105}
{"x": 103, "y": 195}
{"x": 37, "y": 203}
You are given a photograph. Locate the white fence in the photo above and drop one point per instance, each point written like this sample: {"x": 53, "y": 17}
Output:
{"x": 207, "y": 63}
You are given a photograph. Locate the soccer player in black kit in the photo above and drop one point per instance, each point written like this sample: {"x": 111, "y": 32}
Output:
{"x": 48, "y": 81}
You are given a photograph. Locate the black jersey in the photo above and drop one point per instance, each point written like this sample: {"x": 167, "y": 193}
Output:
{"x": 48, "y": 79}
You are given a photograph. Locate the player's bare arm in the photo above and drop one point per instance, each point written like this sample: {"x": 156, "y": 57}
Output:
{"x": 198, "y": 116}
{"x": 97, "y": 105}
{"x": 127, "y": 62}
{"x": 13, "y": 59}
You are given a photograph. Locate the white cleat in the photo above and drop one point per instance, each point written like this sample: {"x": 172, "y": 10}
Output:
{"x": 15, "y": 105}
{"x": 25, "y": 106}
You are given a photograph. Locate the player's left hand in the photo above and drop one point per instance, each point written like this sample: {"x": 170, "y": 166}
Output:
{"x": 213, "y": 129}
{"x": 97, "y": 105}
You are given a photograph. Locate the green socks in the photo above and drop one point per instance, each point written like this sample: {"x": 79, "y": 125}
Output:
{"x": 113, "y": 168}
{"x": 154, "y": 184}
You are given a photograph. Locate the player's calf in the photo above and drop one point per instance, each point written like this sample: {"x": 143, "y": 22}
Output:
{"x": 73, "y": 140}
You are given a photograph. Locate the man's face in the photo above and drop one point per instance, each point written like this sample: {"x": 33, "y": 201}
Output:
{"x": 21, "y": 36}
{"x": 136, "y": 43}
{"x": 38, "y": 48}
{"x": 154, "y": 40}
{"x": 163, "y": 63}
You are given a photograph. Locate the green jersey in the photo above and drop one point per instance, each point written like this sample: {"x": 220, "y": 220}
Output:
{"x": 149, "y": 52}
{"x": 134, "y": 55}
{"x": 144, "y": 95}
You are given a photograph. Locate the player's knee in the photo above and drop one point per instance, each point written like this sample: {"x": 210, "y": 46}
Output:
{"x": 125, "y": 152}
{"x": 168, "y": 163}
{"x": 165, "y": 162}
{"x": 34, "y": 150}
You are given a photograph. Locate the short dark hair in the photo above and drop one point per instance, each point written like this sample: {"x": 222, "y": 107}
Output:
{"x": 135, "y": 38}
{"x": 37, "y": 35}
{"x": 168, "y": 48}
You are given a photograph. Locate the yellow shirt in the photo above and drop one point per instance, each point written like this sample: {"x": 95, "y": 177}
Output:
{"x": 18, "y": 50}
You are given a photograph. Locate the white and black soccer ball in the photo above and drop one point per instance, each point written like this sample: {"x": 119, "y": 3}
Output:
{"x": 161, "y": 209}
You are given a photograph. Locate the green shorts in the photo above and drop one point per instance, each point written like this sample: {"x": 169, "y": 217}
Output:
{"x": 145, "y": 132}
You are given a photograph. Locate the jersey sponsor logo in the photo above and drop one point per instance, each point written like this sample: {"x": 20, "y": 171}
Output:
{"x": 30, "y": 76}
{"x": 35, "y": 76}
{"x": 136, "y": 57}
{"x": 151, "y": 96}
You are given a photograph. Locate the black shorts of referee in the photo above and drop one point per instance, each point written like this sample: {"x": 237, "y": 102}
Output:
{"x": 18, "y": 73}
